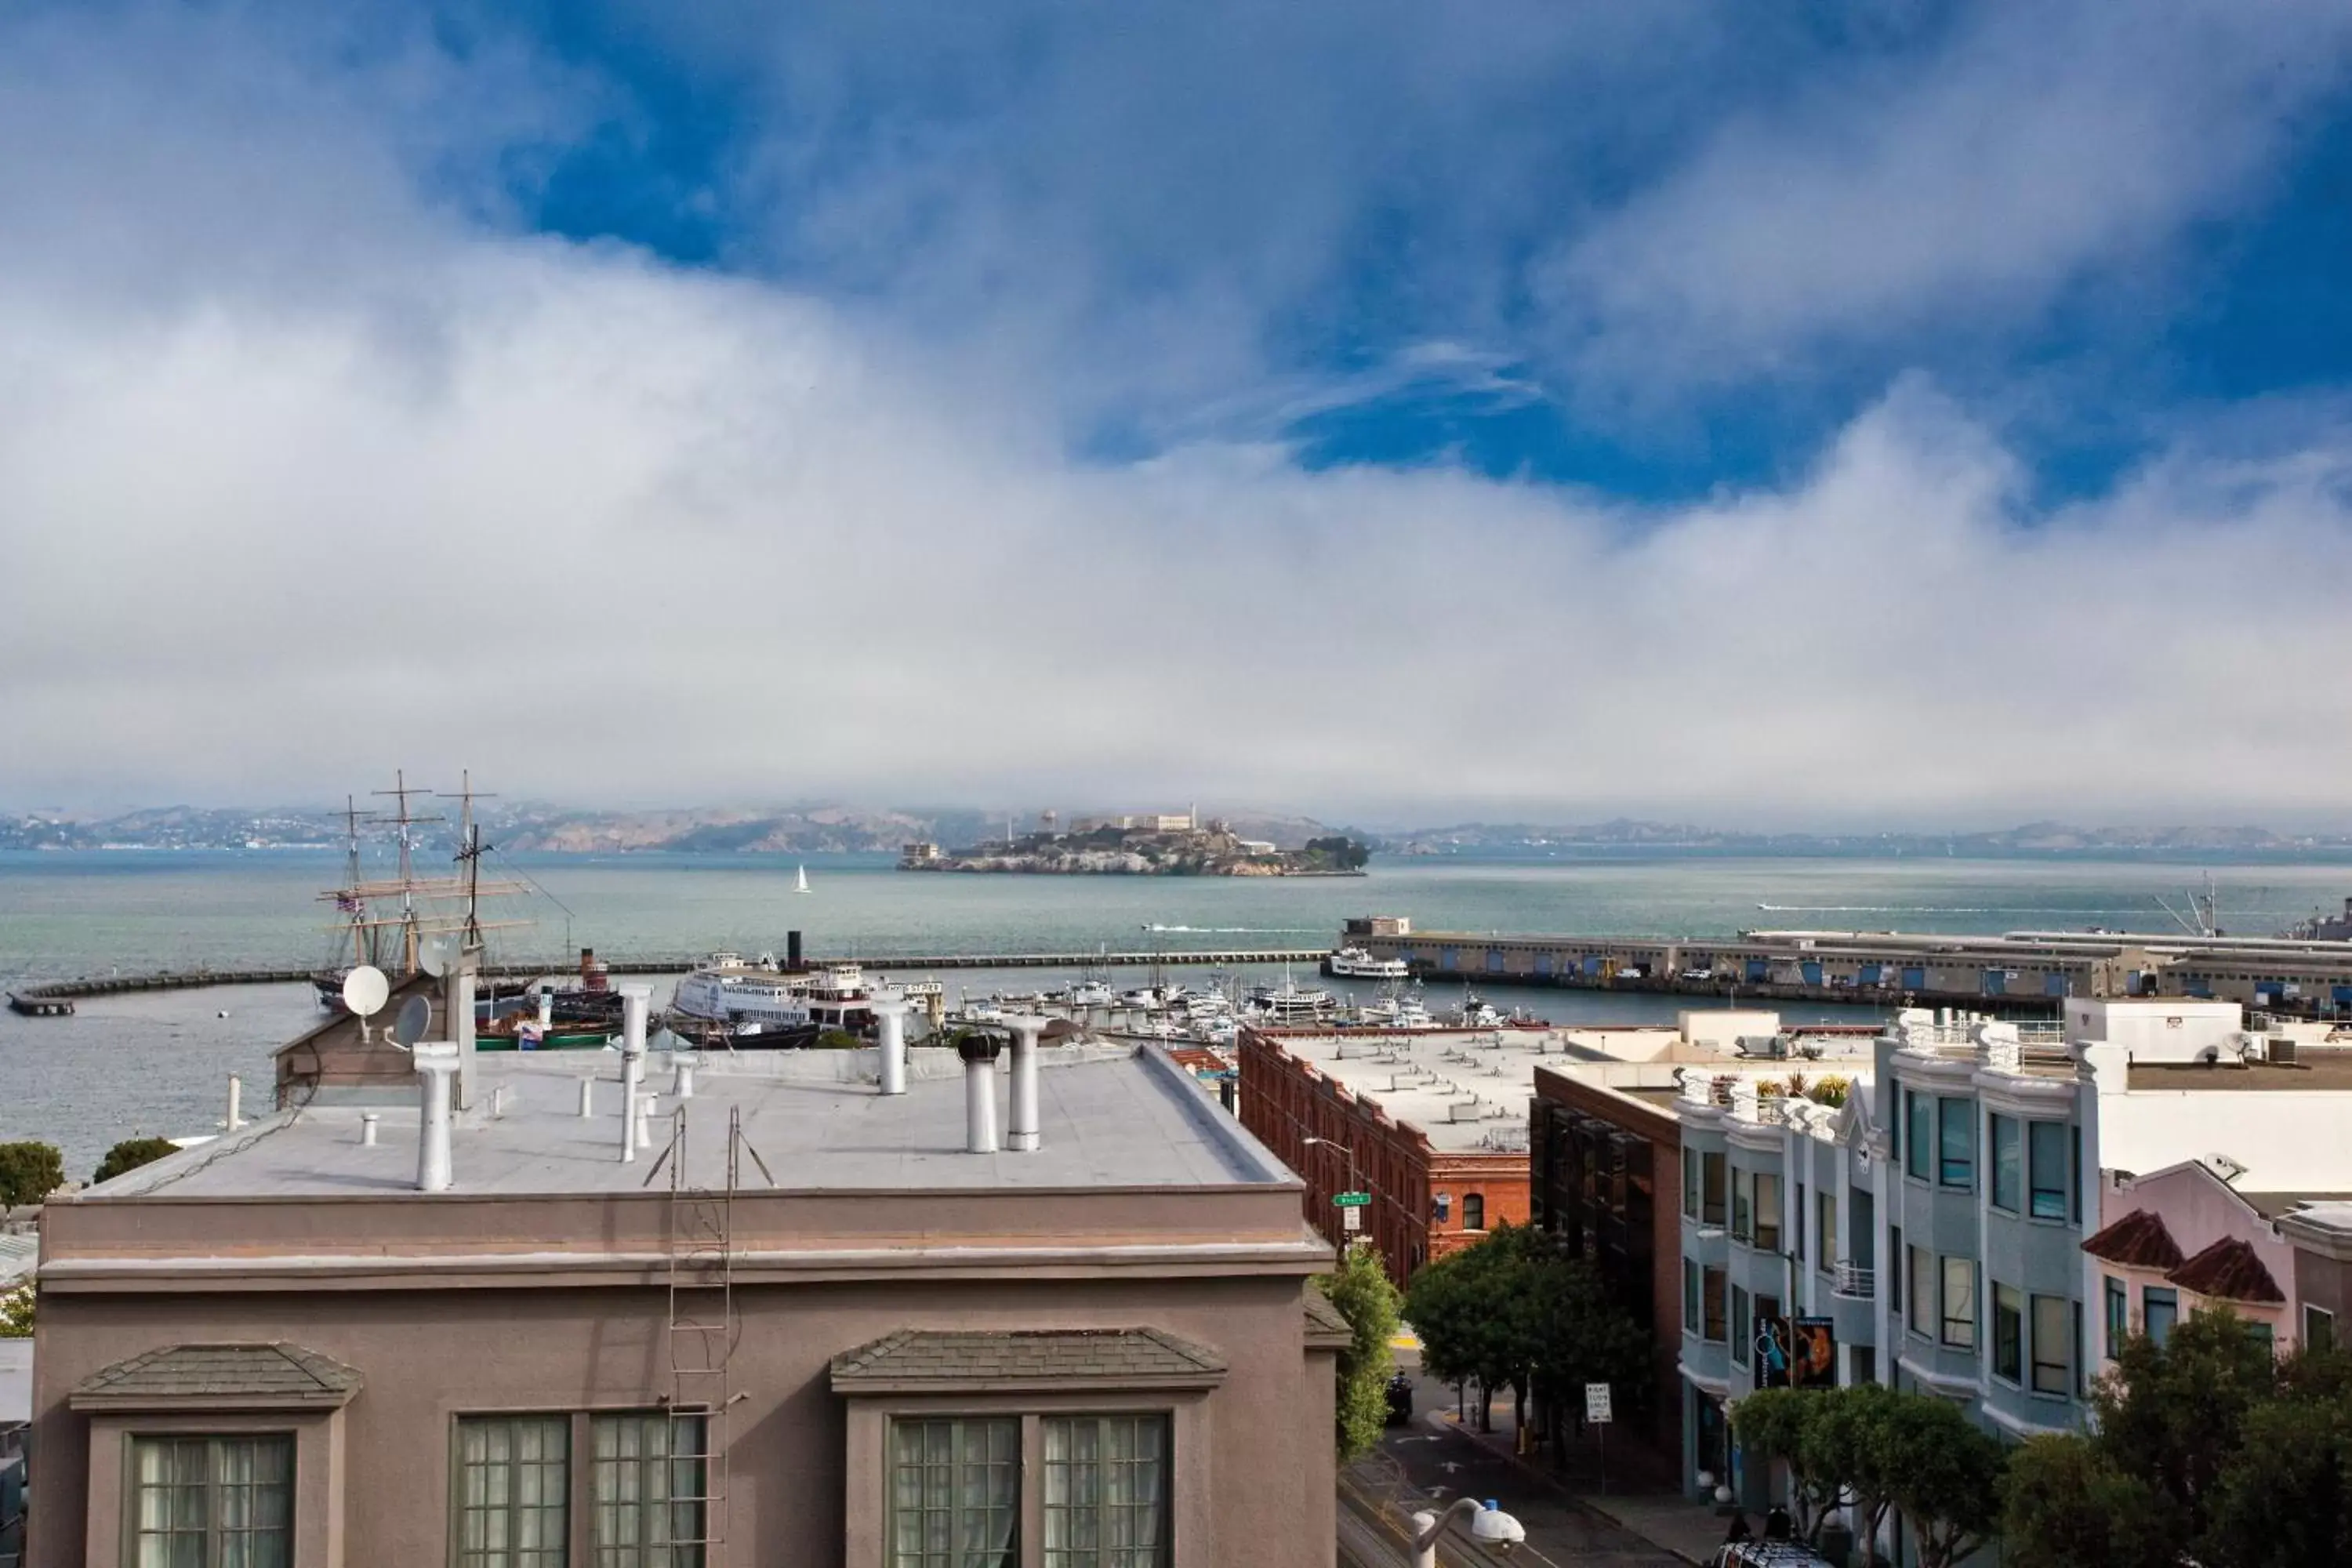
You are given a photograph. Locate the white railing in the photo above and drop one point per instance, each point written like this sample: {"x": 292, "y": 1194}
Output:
{"x": 1853, "y": 1281}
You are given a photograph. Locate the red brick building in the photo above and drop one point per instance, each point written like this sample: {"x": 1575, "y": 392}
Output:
{"x": 1443, "y": 1164}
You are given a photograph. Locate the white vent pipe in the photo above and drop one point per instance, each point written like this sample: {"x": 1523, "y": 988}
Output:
{"x": 546, "y": 1006}
{"x": 368, "y": 1120}
{"x": 644, "y": 1120}
{"x": 235, "y": 1102}
{"x": 1022, "y": 1135}
{"x": 588, "y": 1097}
{"x": 890, "y": 1023}
{"x": 634, "y": 1000}
{"x": 979, "y": 1054}
{"x": 437, "y": 1063}
{"x": 683, "y": 1088}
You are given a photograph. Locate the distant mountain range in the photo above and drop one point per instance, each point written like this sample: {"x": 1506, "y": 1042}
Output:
{"x": 834, "y": 828}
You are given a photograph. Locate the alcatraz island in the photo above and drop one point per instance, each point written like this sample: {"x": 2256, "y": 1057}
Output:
{"x": 1153, "y": 846}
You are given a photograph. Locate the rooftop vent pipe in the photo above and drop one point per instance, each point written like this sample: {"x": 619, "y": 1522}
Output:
{"x": 368, "y": 1120}
{"x": 235, "y": 1102}
{"x": 1023, "y": 1128}
{"x": 978, "y": 1053}
{"x": 891, "y": 1019}
{"x": 635, "y": 1001}
{"x": 437, "y": 1063}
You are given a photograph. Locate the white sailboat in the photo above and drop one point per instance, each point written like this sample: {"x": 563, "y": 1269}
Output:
{"x": 800, "y": 884}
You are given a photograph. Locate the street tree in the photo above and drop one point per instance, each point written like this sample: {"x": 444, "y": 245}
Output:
{"x": 1941, "y": 1472}
{"x": 29, "y": 1171}
{"x": 1774, "y": 1425}
{"x": 131, "y": 1154}
{"x": 2065, "y": 1503}
{"x": 1361, "y": 1291}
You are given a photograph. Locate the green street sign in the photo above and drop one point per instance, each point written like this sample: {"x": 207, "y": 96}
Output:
{"x": 1350, "y": 1200}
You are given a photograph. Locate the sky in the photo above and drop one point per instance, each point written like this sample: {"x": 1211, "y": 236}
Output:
{"x": 1881, "y": 414}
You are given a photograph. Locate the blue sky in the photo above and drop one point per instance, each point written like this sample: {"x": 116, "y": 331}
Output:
{"x": 1785, "y": 394}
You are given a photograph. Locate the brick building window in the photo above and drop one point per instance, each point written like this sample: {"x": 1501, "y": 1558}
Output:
{"x": 1473, "y": 1210}
{"x": 212, "y": 1502}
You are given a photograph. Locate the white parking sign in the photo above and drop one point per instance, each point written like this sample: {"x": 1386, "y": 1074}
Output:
{"x": 1596, "y": 1402}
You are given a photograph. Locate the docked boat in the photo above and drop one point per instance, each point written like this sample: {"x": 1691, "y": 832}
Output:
{"x": 1289, "y": 1004}
{"x": 725, "y": 1002}
{"x": 1091, "y": 994}
{"x": 1355, "y": 963}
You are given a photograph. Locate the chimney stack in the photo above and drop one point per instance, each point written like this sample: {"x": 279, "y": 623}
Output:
{"x": 437, "y": 1063}
{"x": 635, "y": 1001}
{"x": 978, "y": 1053}
{"x": 1023, "y": 1132}
{"x": 890, "y": 1023}
{"x": 792, "y": 952}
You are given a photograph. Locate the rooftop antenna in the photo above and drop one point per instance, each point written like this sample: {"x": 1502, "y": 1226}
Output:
{"x": 470, "y": 850}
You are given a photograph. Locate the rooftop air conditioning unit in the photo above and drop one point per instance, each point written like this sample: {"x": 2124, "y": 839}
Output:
{"x": 2281, "y": 1051}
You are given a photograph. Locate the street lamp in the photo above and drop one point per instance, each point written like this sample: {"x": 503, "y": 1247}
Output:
{"x": 1345, "y": 1148}
{"x": 1490, "y": 1526}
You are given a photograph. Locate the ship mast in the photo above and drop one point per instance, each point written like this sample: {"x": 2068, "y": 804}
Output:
{"x": 352, "y": 903}
{"x": 470, "y": 850}
{"x": 409, "y": 913}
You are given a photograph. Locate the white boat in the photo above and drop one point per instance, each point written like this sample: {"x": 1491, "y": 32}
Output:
{"x": 1286, "y": 1004}
{"x": 1091, "y": 994}
{"x": 725, "y": 1002}
{"x": 1355, "y": 963}
{"x": 1142, "y": 997}
{"x": 801, "y": 885}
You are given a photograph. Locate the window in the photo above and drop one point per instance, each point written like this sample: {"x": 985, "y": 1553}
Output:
{"x": 1690, "y": 1183}
{"x": 1473, "y": 1210}
{"x": 1923, "y": 1290}
{"x": 2118, "y": 1317}
{"x": 2318, "y": 1329}
{"x": 2048, "y": 1162}
{"x": 2075, "y": 1311}
{"x": 955, "y": 1492}
{"x": 646, "y": 1485}
{"x": 1956, "y": 1165}
{"x": 1743, "y": 1203}
{"x": 1920, "y": 1142}
{"x": 1959, "y": 1303}
{"x": 1825, "y": 1232}
{"x": 1106, "y": 1491}
{"x": 2008, "y": 1163}
{"x": 1690, "y": 1296}
{"x": 514, "y": 1490}
{"x": 2159, "y": 1308}
{"x": 1768, "y": 1212}
{"x": 1895, "y": 1273}
{"x": 2008, "y": 1333}
{"x": 1710, "y": 1189}
{"x": 212, "y": 1502}
{"x": 2074, "y": 1170}
{"x": 1711, "y": 1282}
{"x": 1741, "y": 1325}
{"x": 2264, "y": 1334}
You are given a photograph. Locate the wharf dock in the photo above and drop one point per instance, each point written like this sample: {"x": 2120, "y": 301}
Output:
{"x": 55, "y": 998}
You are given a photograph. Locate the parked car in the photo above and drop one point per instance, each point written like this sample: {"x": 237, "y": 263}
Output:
{"x": 1399, "y": 1400}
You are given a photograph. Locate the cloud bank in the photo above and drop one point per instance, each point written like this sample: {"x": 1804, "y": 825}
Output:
{"x": 312, "y": 465}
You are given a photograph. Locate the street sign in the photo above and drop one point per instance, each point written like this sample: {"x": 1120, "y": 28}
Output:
{"x": 1596, "y": 1402}
{"x": 1351, "y": 1200}
{"x": 1352, "y": 1220}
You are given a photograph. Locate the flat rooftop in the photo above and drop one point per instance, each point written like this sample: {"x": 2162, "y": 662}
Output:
{"x": 1109, "y": 1117}
{"x": 2316, "y": 1070}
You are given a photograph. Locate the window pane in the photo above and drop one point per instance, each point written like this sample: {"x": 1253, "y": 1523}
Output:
{"x": 2118, "y": 1317}
{"x": 1825, "y": 1233}
{"x": 1958, "y": 1167}
{"x": 1923, "y": 1290}
{"x": 2053, "y": 1330}
{"x": 1741, "y": 1325}
{"x": 1690, "y": 1183}
{"x": 2008, "y": 1160}
{"x": 646, "y": 1487}
{"x": 1105, "y": 1489}
{"x": 955, "y": 1492}
{"x": 2008, "y": 1333}
{"x": 1710, "y": 1189}
{"x": 1959, "y": 1303}
{"x": 2159, "y": 1309}
{"x": 514, "y": 1490}
{"x": 1743, "y": 1203}
{"x": 2318, "y": 1329}
{"x": 1920, "y": 1146}
{"x": 1768, "y": 1212}
{"x": 212, "y": 1502}
{"x": 1711, "y": 1286}
{"x": 2050, "y": 1160}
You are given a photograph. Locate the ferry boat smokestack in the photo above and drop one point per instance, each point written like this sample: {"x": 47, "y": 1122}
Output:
{"x": 1022, "y": 1134}
{"x": 890, "y": 1031}
{"x": 793, "y": 950}
{"x": 978, "y": 1053}
{"x": 436, "y": 1065}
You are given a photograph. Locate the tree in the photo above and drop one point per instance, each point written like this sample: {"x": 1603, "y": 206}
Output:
{"x": 1460, "y": 1306}
{"x": 29, "y": 1171}
{"x": 1843, "y": 1440}
{"x": 2065, "y": 1503}
{"x": 131, "y": 1154}
{"x": 2170, "y": 1413}
{"x": 1360, "y": 1288}
{"x": 16, "y": 1312}
{"x": 1772, "y": 1425}
{"x": 1943, "y": 1474}
{"x": 1340, "y": 852}
{"x": 2285, "y": 1497}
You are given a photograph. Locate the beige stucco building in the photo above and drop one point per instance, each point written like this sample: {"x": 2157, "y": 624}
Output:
{"x": 823, "y": 1329}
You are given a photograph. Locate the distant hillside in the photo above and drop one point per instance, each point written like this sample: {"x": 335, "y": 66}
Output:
{"x": 2032, "y": 838}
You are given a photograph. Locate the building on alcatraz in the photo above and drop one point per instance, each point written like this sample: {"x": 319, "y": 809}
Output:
{"x": 780, "y": 1316}
{"x": 1995, "y": 1206}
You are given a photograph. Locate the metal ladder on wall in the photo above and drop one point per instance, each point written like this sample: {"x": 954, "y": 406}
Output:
{"x": 703, "y": 1329}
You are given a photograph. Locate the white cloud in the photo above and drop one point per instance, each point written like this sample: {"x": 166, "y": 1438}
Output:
{"x": 322, "y": 480}
{"x": 1948, "y": 190}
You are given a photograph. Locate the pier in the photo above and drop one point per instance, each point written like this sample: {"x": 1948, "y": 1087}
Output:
{"x": 56, "y": 999}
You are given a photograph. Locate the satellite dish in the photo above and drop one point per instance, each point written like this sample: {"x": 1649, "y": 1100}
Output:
{"x": 365, "y": 991}
{"x": 414, "y": 1017}
{"x": 438, "y": 954}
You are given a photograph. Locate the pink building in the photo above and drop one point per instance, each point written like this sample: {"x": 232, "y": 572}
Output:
{"x": 2181, "y": 1239}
